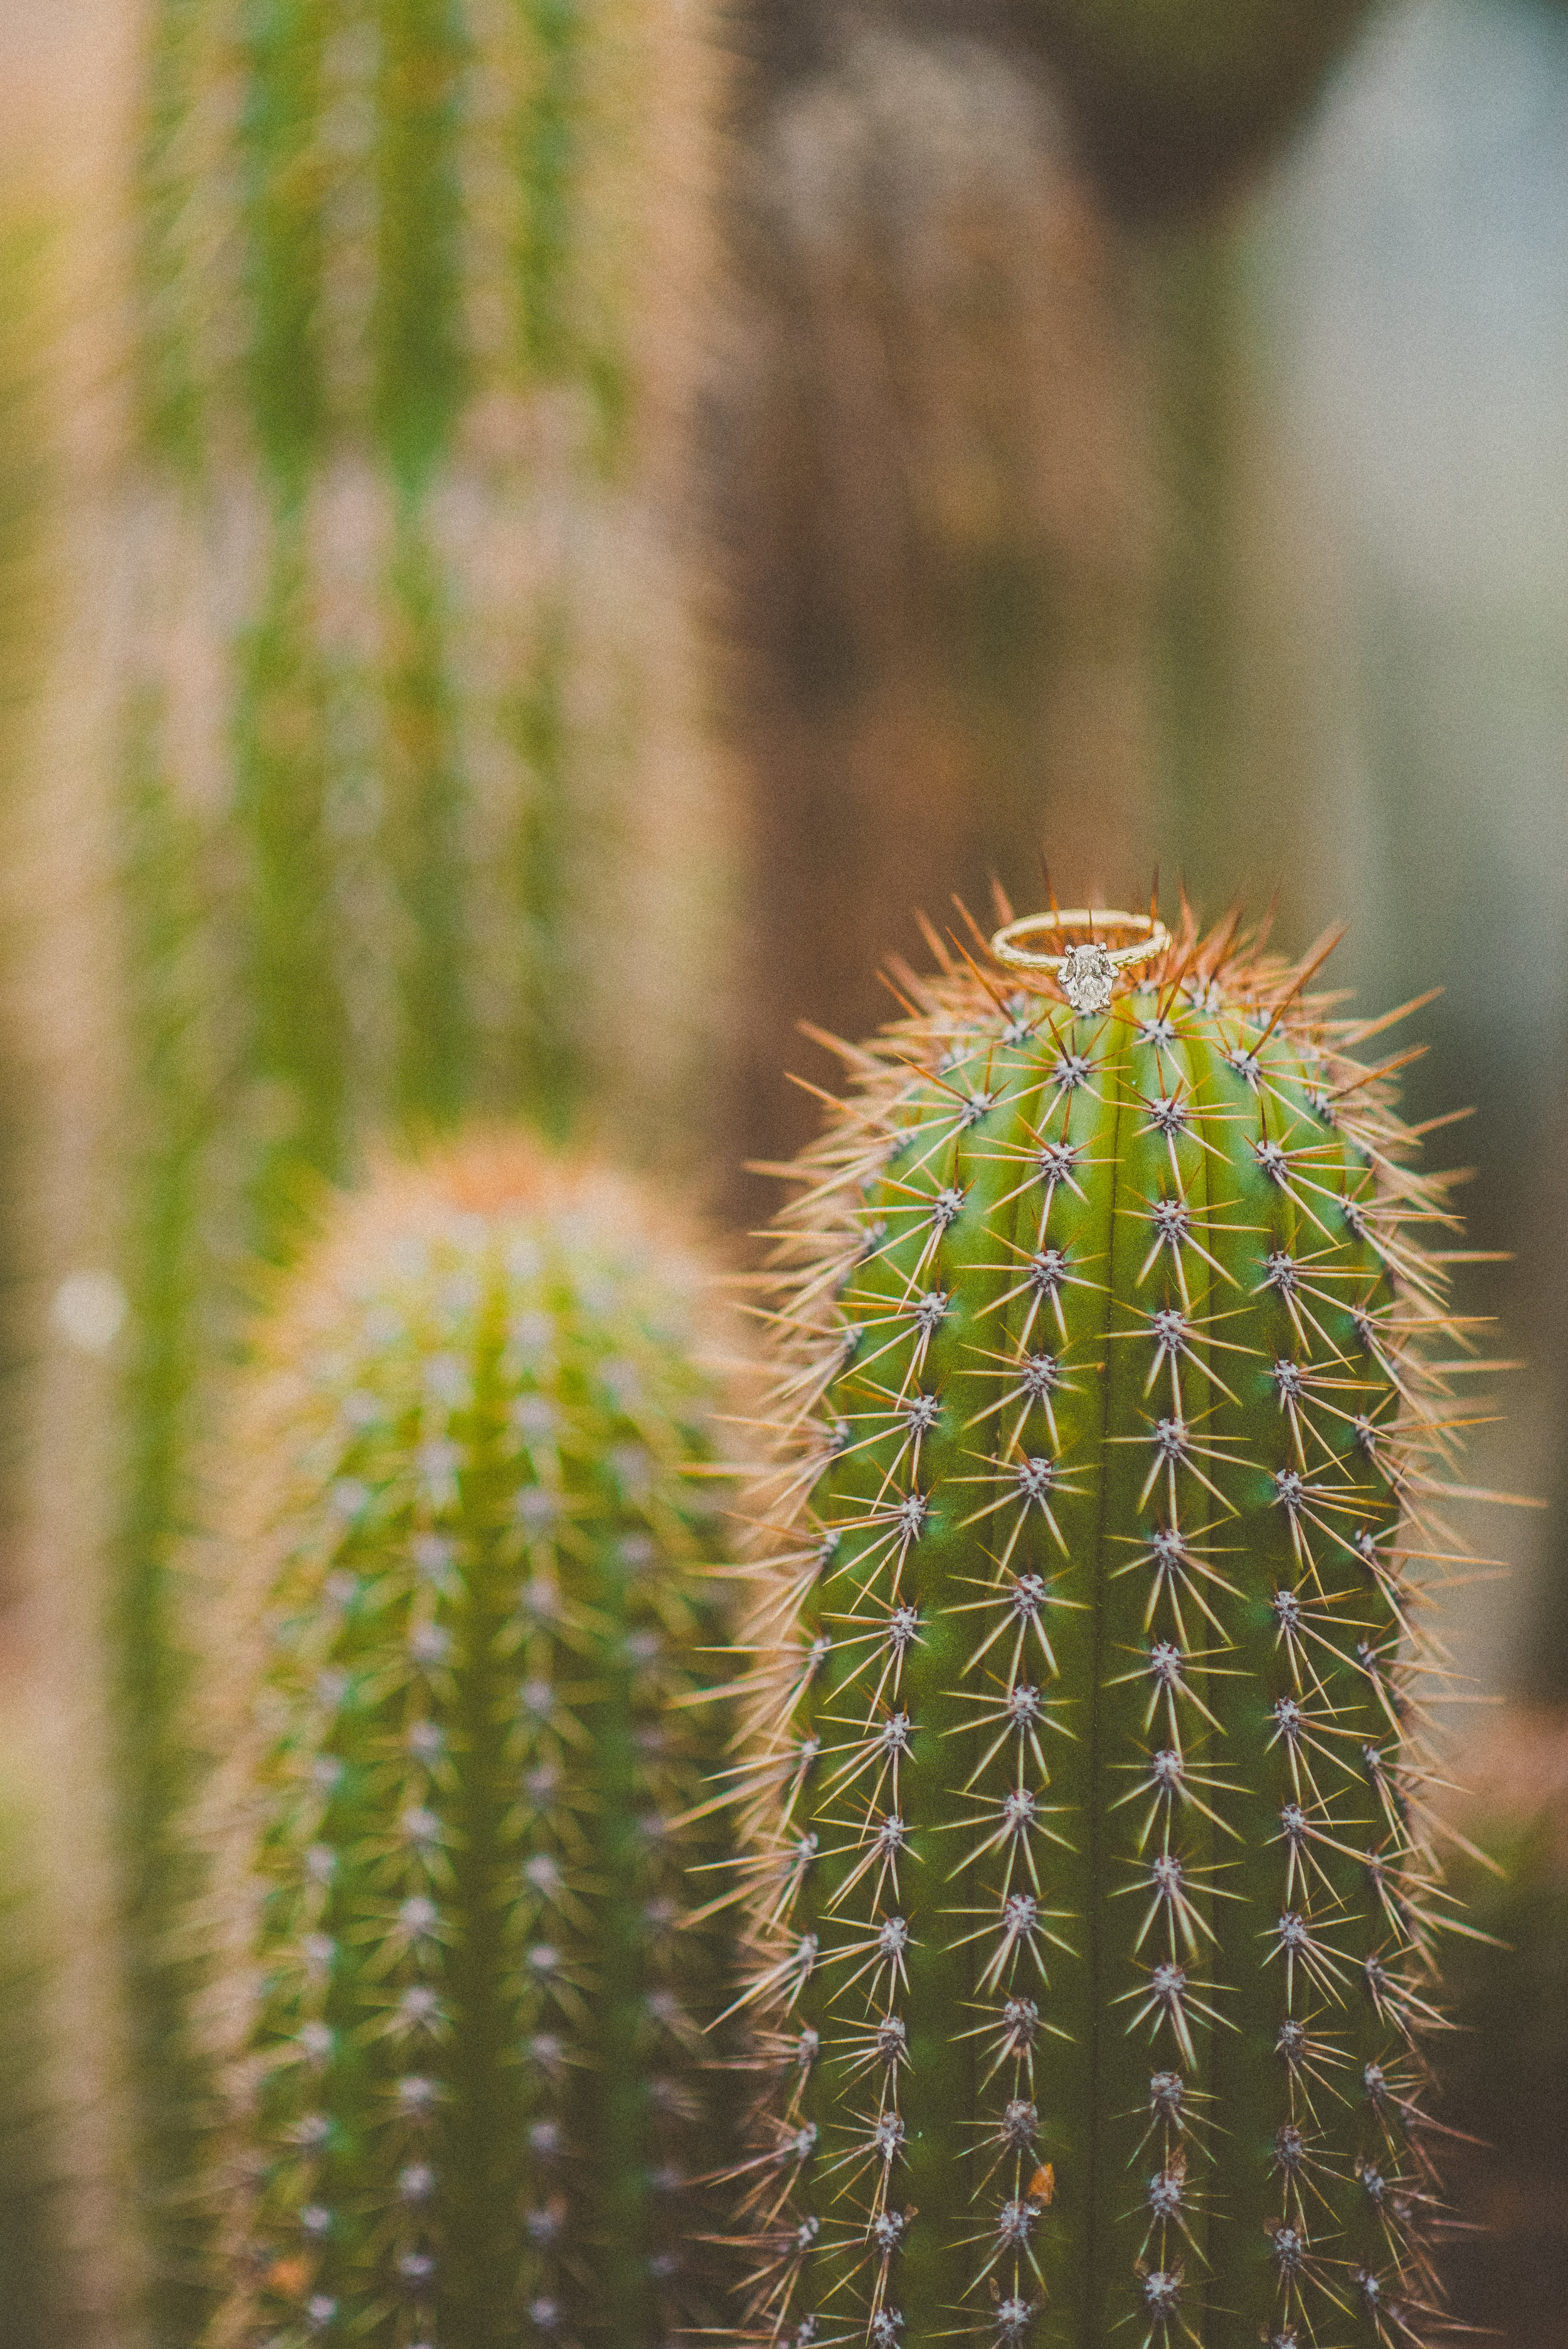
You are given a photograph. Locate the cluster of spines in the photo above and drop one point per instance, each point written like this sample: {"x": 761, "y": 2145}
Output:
{"x": 477, "y": 2099}
{"x": 1112, "y": 1498}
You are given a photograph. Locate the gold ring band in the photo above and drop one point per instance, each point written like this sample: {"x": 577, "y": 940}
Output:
{"x": 1086, "y": 969}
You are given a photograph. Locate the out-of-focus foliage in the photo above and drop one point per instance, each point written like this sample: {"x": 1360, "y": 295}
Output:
{"x": 1409, "y": 277}
{"x": 418, "y": 322}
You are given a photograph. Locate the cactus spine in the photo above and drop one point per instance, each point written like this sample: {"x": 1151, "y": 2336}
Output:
{"x": 468, "y": 1612}
{"x": 1098, "y": 1944}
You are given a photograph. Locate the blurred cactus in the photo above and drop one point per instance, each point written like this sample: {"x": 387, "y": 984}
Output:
{"x": 26, "y": 489}
{"x": 418, "y": 331}
{"x": 940, "y": 502}
{"x": 1098, "y": 1901}
{"x": 463, "y": 1613}
{"x": 1175, "y": 106}
{"x": 413, "y": 802}
{"x": 996, "y": 582}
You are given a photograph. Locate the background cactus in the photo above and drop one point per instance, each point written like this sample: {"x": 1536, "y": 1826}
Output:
{"x": 412, "y": 810}
{"x": 419, "y": 332}
{"x": 38, "y": 2278}
{"x": 1097, "y": 1947}
{"x": 999, "y": 476}
{"x": 938, "y": 489}
{"x": 464, "y": 1613}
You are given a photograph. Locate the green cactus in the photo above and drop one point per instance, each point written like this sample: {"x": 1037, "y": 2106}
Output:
{"x": 418, "y": 339}
{"x": 1505, "y": 2070}
{"x": 36, "y": 2284}
{"x": 1098, "y": 1940}
{"x": 412, "y": 795}
{"x": 465, "y": 1614}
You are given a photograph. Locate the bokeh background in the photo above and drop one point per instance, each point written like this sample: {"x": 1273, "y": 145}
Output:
{"x": 1137, "y": 436}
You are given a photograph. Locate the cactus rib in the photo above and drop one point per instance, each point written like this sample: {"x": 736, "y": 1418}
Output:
{"x": 1098, "y": 1948}
{"x": 465, "y": 2023}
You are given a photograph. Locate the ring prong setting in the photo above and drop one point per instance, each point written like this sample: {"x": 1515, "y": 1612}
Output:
{"x": 1086, "y": 978}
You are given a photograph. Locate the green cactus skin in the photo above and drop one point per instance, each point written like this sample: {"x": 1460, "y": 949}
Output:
{"x": 469, "y": 1610}
{"x": 1097, "y": 1937}
{"x": 411, "y": 790}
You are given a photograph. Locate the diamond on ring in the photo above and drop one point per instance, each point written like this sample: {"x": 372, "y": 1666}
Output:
{"x": 1086, "y": 978}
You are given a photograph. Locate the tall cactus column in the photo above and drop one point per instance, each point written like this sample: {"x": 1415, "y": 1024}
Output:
{"x": 413, "y": 801}
{"x": 40, "y": 2282}
{"x": 466, "y": 1615}
{"x": 1100, "y": 1945}
{"x": 419, "y": 334}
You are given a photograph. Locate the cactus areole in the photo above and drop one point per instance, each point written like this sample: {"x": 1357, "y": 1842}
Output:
{"x": 1094, "y": 1945}
{"x": 474, "y": 2099}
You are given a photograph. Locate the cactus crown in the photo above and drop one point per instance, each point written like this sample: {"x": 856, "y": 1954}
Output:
{"x": 470, "y": 1603}
{"x": 1096, "y": 1942}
